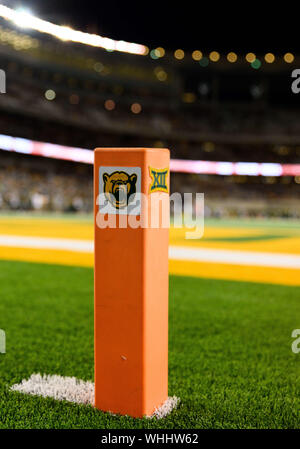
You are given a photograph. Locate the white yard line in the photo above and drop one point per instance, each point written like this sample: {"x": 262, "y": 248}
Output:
{"x": 57, "y": 387}
{"x": 74, "y": 390}
{"x": 17, "y": 241}
{"x": 234, "y": 257}
{"x": 252, "y": 258}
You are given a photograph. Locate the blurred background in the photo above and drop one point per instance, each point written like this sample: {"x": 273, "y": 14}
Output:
{"x": 196, "y": 83}
{"x": 213, "y": 84}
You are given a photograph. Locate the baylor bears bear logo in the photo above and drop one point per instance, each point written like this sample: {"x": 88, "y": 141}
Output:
{"x": 119, "y": 188}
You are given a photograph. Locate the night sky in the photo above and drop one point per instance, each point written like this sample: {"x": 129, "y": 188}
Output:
{"x": 248, "y": 26}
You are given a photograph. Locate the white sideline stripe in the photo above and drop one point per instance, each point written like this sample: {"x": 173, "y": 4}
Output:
{"x": 74, "y": 390}
{"x": 235, "y": 257}
{"x": 16, "y": 241}
{"x": 57, "y": 387}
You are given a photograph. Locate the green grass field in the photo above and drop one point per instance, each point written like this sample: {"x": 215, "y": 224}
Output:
{"x": 230, "y": 358}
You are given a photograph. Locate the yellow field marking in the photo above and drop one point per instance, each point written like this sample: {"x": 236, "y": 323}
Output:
{"x": 289, "y": 244}
{"x": 270, "y": 275}
{"x": 57, "y": 257}
{"x": 213, "y": 232}
{"x": 74, "y": 229}
{"x": 47, "y": 228}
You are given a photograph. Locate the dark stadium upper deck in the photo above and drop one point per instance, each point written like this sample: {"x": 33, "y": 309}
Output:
{"x": 208, "y": 105}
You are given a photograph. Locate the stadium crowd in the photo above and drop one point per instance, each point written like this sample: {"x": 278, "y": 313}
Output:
{"x": 39, "y": 184}
{"x": 57, "y": 92}
{"x": 32, "y": 188}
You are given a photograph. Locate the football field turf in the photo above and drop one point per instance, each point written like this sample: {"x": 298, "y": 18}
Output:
{"x": 230, "y": 357}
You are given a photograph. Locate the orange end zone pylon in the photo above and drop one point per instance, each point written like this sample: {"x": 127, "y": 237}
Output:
{"x": 131, "y": 282}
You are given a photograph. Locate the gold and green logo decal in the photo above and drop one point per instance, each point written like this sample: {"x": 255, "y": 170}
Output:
{"x": 159, "y": 180}
{"x": 119, "y": 188}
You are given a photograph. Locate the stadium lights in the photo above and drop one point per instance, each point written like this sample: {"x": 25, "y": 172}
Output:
{"x": 25, "y": 19}
{"x": 197, "y": 55}
{"x": 26, "y": 146}
{"x": 269, "y": 58}
{"x": 160, "y": 52}
{"x": 179, "y": 54}
{"x": 289, "y": 58}
{"x": 136, "y": 108}
{"x": 109, "y": 105}
{"x": 214, "y": 56}
{"x": 232, "y": 57}
{"x": 50, "y": 94}
{"x": 250, "y": 57}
